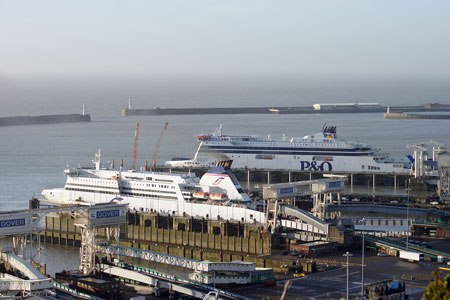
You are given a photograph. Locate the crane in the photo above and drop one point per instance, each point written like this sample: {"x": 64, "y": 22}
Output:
{"x": 158, "y": 146}
{"x": 135, "y": 147}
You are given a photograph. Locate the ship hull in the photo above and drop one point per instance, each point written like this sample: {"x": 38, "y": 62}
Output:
{"x": 164, "y": 206}
{"x": 310, "y": 163}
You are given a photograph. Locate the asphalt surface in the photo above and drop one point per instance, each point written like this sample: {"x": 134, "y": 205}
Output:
{"x": 332, "y": 284}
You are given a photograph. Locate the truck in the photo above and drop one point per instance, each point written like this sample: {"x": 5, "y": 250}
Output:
{"x": 411, "y": 256}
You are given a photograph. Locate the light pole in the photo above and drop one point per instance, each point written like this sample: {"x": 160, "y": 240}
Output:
{"x": 407, "y": 213}
{"x": 362, "y": 258}
{"x": 347, "y": 254}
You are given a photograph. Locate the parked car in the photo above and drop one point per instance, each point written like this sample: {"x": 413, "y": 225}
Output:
{"x": 270, "y": 282}
{"x": 298, "y": 275}
{"x": 381, "y": 254}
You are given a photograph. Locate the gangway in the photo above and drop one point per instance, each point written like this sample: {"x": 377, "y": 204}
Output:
{"x": 401, "y": 245}
{"x": 385, "y": 209}
{"x": 20, "y": 224}
{"x": 160, "y": 280}
{"x": 36, "y": 284}
{"x": 308, "y": 221}
{"x": 197, "y": 265}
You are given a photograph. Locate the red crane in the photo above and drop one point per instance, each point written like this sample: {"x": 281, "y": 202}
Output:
{"x": 158, "y": 145}
{"x": 135, "y": 147}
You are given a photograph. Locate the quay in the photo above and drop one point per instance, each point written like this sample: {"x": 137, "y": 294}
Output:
{"x": 214, "y": 248}
{"x": 317, "y": 108}
{"x": 255, "y": 178}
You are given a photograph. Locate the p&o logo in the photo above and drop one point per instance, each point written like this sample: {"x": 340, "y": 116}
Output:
{"x": 315, "y": 166}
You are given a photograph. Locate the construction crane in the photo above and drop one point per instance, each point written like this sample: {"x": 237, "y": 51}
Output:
{"x": 158, "y": 146}
{"x": 135, "y": 147}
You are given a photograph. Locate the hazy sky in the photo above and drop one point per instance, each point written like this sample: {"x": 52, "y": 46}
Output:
{"x": 225, "y": 37}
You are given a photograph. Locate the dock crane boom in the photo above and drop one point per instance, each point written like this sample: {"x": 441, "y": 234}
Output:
{"x": 135, "y": 147}
{"x": 158, "y": 146}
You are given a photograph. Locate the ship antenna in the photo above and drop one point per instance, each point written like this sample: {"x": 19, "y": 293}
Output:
{"x": 97, "y": 159}
{"x": 218, "y": 131}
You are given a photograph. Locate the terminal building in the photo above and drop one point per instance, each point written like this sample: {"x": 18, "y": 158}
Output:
{"x": 344, "y": 106}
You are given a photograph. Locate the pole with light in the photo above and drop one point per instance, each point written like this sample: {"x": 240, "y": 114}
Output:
{"x": 362, "y": 259}
{"x": 347, "y": 254}
{"x": 407, "y": 213}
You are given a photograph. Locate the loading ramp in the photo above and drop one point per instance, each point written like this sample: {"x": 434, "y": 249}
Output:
{"x": 312, "y": 223}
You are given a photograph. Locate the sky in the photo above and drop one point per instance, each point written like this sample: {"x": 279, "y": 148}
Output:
{"x": 226, "y": 37}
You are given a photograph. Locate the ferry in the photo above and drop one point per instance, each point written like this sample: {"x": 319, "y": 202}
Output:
{"x": 216, "y": 195}
{"x": 319, "y": 152}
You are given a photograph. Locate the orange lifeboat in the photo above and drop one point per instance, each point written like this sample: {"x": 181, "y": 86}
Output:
{"x": 203, "y": 137}
{"x": 200, "y": 195}
{"x": 218, "y": 196}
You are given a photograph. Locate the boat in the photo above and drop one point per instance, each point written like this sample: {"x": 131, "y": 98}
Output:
{"x": 178, "y": 194}
{"x": 319, "y": 152}
{"x": 201, "y": 195}
{"x": 218, "y": 196}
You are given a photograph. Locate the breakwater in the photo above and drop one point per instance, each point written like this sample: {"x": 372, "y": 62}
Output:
{"x": 44, "y": 119}
{"x": 415, "y": 116}
{"x": 434, "y": 107}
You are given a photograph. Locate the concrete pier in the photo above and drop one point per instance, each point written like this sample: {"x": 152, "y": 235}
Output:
{"x": 45, "y": 119}
{"x": 280, "y": 110}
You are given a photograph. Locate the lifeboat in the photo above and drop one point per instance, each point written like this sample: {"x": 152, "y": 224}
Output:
{"x": 218, "y": 196}
{"x": 203, "y": 137}
{"x": 200, "y": 195}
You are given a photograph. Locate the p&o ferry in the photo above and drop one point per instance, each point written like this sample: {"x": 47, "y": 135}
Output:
{"x": 320, "y": 152}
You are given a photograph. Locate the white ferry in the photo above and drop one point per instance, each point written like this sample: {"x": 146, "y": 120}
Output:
{"x": 217, "y": 195}
{"x": 320, "y": 152}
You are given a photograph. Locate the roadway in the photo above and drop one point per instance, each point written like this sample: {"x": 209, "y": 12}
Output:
{"x": 332, "y": 284}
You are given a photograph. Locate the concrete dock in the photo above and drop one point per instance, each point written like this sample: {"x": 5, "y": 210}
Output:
{"x": 431, "y": 107}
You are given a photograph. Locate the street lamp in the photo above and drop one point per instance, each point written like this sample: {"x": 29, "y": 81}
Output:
{"x": 407, "y": 213}
{"x": 362, "y": 258}
{"x": 347, "y": 254}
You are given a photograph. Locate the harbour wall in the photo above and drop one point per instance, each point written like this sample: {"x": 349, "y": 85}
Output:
{"x": 415, "y": 116}
{"x": 172, "y": 235}
{"x": 44, "y": 119}
{"x": 281, "y": 110}
{"x": 201, "y": 239}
